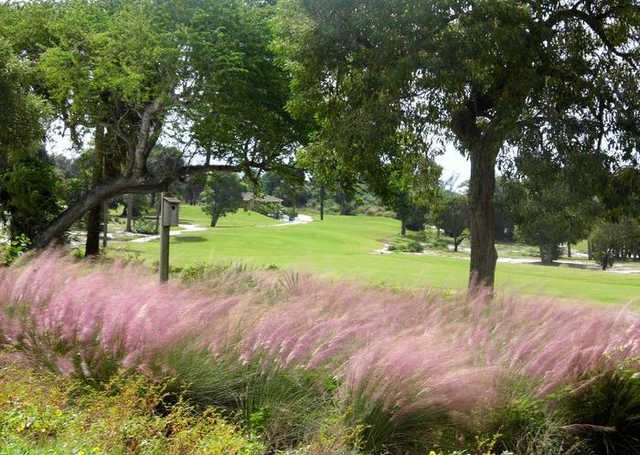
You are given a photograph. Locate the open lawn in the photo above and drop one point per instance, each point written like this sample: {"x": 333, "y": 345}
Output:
{"x": 343, "y": 247}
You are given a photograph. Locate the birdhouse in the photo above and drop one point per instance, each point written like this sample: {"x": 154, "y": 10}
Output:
{"x": 170, "y": 209}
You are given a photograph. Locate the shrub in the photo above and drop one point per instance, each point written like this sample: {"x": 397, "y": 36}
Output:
{"x": 415, "y": 247}
{"x": 615, "y": 241}
{"x": 405, "y": 245}
{"x": 284, "y": 405}
{"x": 146, "y": 226}
{"x": 605, "y": 241}
{"x": 605, "y": 410}
{"x": 44, "y": 413}
{"x": 12, "y": 249}
{"x": 281, "y": 351}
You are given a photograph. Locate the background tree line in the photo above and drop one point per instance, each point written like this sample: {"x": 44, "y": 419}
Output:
{"x": 546, "y": 91}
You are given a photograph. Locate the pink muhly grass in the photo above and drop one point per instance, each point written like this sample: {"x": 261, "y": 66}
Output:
{"x": 119, "y": 307}
{"x": 405, "y": 351}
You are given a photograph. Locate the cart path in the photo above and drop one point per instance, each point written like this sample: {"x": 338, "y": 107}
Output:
{"x": 185, "y": 228}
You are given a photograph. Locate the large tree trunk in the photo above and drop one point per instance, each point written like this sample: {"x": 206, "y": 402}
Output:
{"x": 92, "y": 247}
{"x": 569, "y": 249}
{"x": 481, "y": 189}
{"x": 214, "y": 219}
{"x": 403, "y": 227}
{"x": 546, "y": 254}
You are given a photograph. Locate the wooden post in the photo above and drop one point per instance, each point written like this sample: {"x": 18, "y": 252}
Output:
{"x": 164, "y": 245}
{"x": 164, "y": 254}
{"x": 169, "y": 216}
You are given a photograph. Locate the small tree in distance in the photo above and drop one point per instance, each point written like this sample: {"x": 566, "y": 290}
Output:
{"x": 222, "y": 195}
{"x": 453, "y": 218}
{"x": 604, "y": 243}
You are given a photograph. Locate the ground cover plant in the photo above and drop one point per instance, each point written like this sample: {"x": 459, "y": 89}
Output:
{"x": 290, "y": 357}
{"x": 45, "y": 413}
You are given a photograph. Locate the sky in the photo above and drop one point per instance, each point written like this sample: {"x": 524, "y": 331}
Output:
{"x": 452, "y": 162}
{"x": 454, "y": 165}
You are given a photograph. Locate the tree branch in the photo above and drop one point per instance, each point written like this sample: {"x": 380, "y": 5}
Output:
{"x": 119, "y": 186}
{"x": 594, "y": 22}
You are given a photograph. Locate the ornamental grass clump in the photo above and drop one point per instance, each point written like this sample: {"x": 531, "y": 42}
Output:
{"x": 410, "y": 370}
{"x": 90, "y": 319}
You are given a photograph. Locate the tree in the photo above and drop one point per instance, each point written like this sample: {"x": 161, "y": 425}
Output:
{"x": 453, "y": 218}
{"x": 28, "y": 184}
{"x": 132, "y": 71}
{"x": 504, "y": 226}
{"x": 485, "y": 74}
{"x": 411, "y": 187}
{"x": 537, "y": 196}
{"x": 612, "y": 242}
{"x": 29, "y": 194}
{"x": 222, "y": 195}
{"x": 605, "y": 241}
{"x": 23, "y": 114}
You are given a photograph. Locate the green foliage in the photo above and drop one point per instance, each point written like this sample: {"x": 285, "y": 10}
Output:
{"x": 546, "y": 211}
{"x": 386, "y": 430}
{"x": 453, "y": 217}
{"x": 406, "y": 244}
{"x": 615, "y": 241}
{"x": 43, "y": 413}
{"x": 284, "y": 405}
{"x": 516, "y": 420}
{"x": 10, "y": 251}
{"x": 145, "y": 226}
{"x": 23, "y": 114}
{"x": 222, "y": 195}
{"x": 605, "y": 411}
{"x": 28, "y": 192}
{"x": 605, "y": 241}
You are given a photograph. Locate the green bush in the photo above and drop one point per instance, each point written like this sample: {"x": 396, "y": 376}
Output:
{"x": 605, "y": 412}
{"x": 11, "y": 250}
{"x": 415, "y": 247}
{"x": 406, "y": 245}
{"x": 388, "y": 431}
{"x": 145, "y": 226}
{"x": 285, "y": 406}
{"x": 44, "y": 413}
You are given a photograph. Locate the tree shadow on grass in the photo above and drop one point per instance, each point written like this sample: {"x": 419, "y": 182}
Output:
{"x": 570, "y": 265}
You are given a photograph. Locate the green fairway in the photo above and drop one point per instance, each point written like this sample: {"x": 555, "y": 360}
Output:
{"x": 343, "y": 247}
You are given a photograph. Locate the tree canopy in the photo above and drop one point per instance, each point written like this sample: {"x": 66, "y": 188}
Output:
{"x": 493, "y": 76}
{"x": 199, "y": 74}
{"x": 222, "y": 195}
{"x": 23, "y": 113}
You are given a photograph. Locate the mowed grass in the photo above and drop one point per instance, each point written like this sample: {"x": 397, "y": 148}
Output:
{"x": 343, "y": 247}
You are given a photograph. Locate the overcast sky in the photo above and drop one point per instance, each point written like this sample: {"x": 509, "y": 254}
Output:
{"x": 454, "y": 164}
{"x": 452, "y": 161}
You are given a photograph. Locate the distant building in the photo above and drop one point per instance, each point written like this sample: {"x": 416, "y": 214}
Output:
{"x": 251, "y": 199}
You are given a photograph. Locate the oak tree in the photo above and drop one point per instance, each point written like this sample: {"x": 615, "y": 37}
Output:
{"x": 485, "y": 74}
